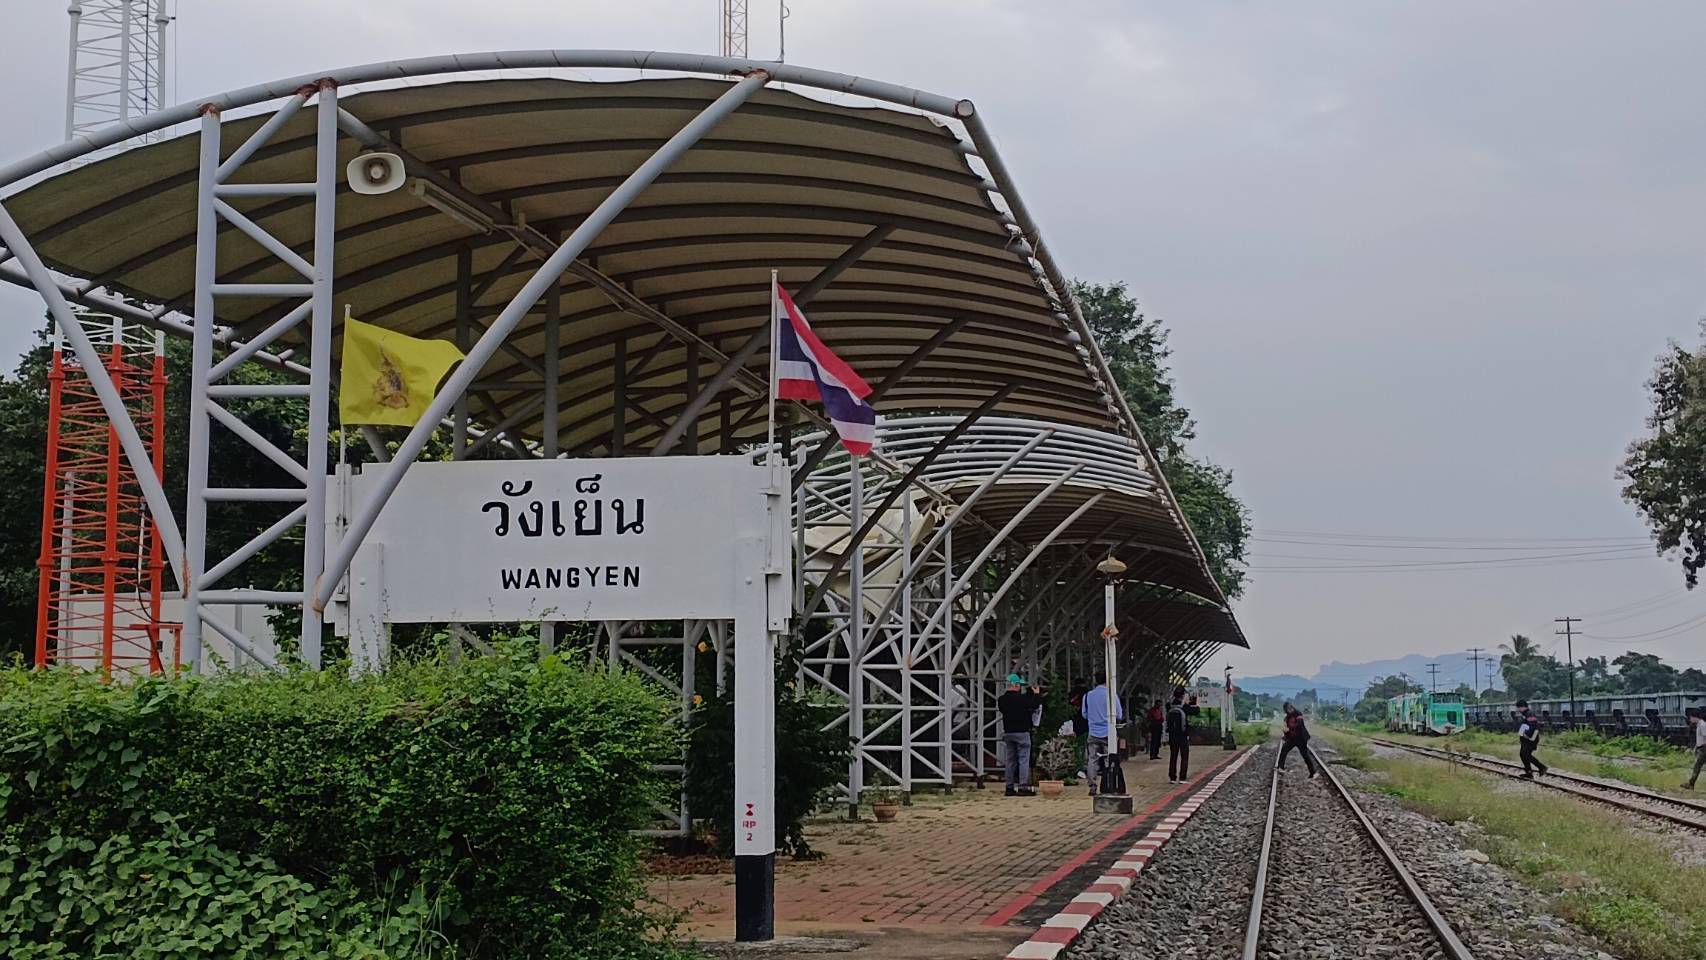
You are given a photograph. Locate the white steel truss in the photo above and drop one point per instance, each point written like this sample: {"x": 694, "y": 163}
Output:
{"x": 116, "y": 67}
{"x": 915, "y": 635}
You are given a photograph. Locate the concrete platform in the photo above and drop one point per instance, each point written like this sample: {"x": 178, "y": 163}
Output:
{"x": 964, "y": 874}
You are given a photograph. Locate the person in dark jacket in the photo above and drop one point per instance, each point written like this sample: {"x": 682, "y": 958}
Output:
{"x": 1080, "y": 728}
{"x": 1527, "y": 739}
{"x": 1018, "y": 706}
{"x": 1157, "y": 725}
{"x": 1178, "y": 735}
{"x": 1296, "y": 737}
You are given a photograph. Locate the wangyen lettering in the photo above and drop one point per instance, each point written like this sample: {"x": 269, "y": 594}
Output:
{"x": 529, "y": 517}
{"x": 569, "y": 578}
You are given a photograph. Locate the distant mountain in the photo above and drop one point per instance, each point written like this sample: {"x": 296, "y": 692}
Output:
{"x": 1348, "y": 680}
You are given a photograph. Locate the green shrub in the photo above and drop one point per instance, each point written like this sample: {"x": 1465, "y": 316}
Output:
{"x": 1249, "y": 734}
{"x": 182, "y": 896}
{"x": 504, "y": 788}
{"x": 811, "y": 758}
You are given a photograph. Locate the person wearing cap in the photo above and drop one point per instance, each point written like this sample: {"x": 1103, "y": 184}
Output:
{"x": 1018, "y": 707}
{"x": 1096, "y": 711}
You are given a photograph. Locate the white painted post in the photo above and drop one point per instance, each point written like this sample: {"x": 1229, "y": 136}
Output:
{"x": 755, "y": 749}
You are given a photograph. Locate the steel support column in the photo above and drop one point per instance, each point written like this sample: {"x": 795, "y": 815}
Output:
{"x": 588, "y": 230}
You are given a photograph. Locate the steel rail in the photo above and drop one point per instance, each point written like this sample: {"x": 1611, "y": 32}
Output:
{"x": 1449, "y": 941}
{"x": 1253, "y": 929}
{"x": 1553, "y": 781}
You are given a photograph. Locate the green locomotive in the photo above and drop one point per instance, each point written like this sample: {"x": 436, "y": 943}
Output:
{"x": 1423, "y": 713}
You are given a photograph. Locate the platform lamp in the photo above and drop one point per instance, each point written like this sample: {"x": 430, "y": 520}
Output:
{"x": 1227, "y": 740}
{"x": 1111, "y": 796}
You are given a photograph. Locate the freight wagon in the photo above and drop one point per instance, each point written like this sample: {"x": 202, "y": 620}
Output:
{"x": 1661, "y": 715}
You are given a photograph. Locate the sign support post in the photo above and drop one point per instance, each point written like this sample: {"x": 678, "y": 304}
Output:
{"x": 755, "y": 752}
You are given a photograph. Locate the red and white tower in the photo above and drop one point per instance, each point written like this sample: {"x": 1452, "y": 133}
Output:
{"x": 98, "y": 604}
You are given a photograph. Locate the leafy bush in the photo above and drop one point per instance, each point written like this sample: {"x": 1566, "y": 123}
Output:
{"x": 1248, "y": 734}
{"x": 503, "y": 789}
{"x": 181, "y": 896}
{"x": 810, "y": 761}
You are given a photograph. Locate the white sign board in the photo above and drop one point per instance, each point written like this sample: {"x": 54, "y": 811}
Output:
{"x": 568, "y": 540}
{"x": 657, "y": 538}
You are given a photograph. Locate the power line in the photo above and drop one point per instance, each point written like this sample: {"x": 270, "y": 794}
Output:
{"x": 1441, "y": 546}
{"x": 1425, "y": 539}
{"x": 1508, "y": 563}
{"x": 1650, "y": 634}
{"x": 1382, "y": 562}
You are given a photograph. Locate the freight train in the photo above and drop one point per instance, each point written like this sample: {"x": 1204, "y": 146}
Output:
{"x": 1423, "y": 713}
{"x": 1661, "y": 715}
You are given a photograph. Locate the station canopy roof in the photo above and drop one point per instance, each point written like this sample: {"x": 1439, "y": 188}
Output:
{"x": 946, "y": 306}
{"x": 1128, "y": 517}
{"x": 788, "y": 182}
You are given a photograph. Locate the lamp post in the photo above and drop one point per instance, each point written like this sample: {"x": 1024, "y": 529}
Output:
{"x": 1227, "y": 740}
{"x": 1111, "y": 796}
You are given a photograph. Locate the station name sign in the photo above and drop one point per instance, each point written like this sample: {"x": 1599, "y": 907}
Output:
{"x": 567, "y": 540}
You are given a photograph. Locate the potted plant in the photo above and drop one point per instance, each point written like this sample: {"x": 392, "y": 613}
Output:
{"x": 1055, "y": 761}
{"x": 885, "y": 803}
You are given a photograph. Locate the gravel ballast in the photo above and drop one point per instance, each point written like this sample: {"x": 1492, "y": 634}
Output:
{"x": 1495, "y": 914}
{"x": 1330, "y": 893}
{"x": 1193, "y": 898}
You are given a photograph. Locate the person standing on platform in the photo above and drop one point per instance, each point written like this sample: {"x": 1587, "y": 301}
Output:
{"x": 1080, "y": 730}
{"x": 1527, "y": 739}
{"x": 1697, "y": 719}
{"x": 1179, "y": 712}
{"x": 1018, "y": 708}
{"x": 1157, "y": 724}
{"x": 1296, "y": 738}
{"x": 1095, "y": 713}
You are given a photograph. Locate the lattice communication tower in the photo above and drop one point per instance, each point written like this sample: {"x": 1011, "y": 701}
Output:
{"x": 117, "y": 65}
{"x": 101, "y": 565}
{"x": 734, "y": 28}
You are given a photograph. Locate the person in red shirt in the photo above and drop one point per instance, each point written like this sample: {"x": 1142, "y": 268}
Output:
{"x": 1157, "y": 723}
{"x": 1296, "y": 738}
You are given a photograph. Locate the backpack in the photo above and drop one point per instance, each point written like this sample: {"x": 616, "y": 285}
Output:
{"x": 1176, "y": 727}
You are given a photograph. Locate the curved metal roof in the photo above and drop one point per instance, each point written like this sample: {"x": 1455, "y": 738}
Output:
{"x": 787, "y": 182}
{"x": 941, "y": 292}
{"x": 1128, "y": 518}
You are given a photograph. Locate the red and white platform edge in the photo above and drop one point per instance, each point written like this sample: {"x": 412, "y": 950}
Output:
{"x": 1059, "y": 931}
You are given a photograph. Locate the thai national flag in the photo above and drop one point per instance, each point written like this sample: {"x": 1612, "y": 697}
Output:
{"x": 808, "y": 370}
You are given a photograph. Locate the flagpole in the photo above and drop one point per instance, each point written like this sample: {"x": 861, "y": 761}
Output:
{"x": 770, "y": 418}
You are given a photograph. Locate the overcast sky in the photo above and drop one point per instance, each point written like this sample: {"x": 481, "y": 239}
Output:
{"x": 1417, "y": 259}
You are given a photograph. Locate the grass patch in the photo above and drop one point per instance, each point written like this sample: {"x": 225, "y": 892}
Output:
{"x": 1353, "y": 752}
{"x": 1620, "y": 885}
{"x": 1659, "y": 767}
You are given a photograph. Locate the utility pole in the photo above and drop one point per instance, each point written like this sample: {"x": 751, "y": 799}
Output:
{"x": 1569, "y": 635}
{"x": 1475, "y": 658}
{"x": 1433, "y": 680}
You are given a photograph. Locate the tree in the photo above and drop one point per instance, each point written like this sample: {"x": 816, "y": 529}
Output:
{"x": 1135, "y": 347}
{"x": 1661, "y": 472}
{"x": 1645, "y": 673}
{"x": 1593, "y": 675}
{"x": 1372, "y": 707}
{"x": 1519, "y": 650}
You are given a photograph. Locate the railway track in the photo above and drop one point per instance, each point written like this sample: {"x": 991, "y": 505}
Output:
{"x": 1320, "y": 854}
{"x": 1676, "y": 810}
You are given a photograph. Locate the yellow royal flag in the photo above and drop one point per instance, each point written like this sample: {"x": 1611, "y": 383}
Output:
{"x": 390, "y": 377}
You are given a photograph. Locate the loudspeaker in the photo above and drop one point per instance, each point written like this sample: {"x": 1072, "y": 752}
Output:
{"x": 375, "y": 173}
